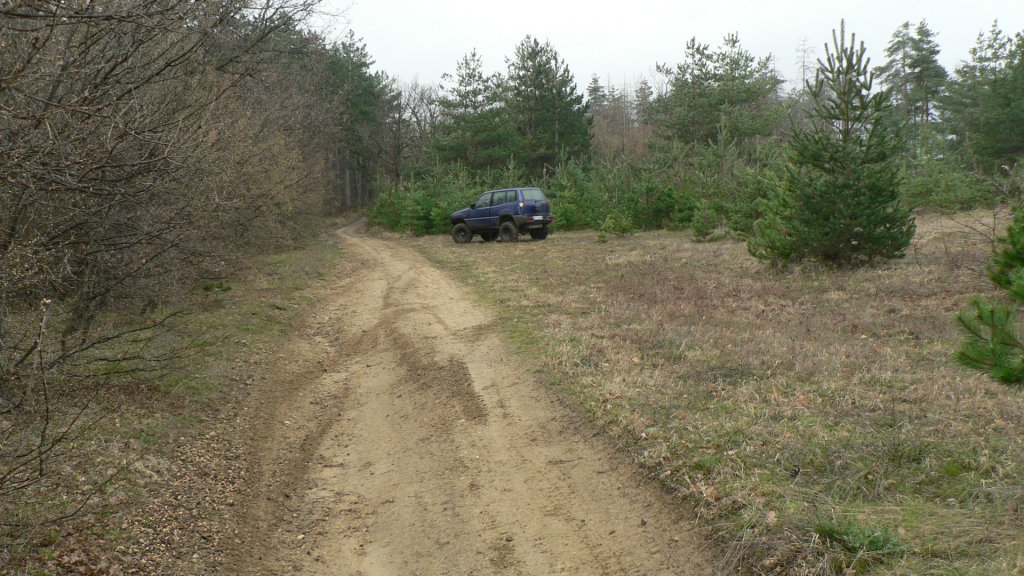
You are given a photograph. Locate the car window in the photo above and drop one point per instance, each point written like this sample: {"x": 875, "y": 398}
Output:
{"x": 484, "y": 201}
{"x": 533, "y": 194}
{"x": 501, "y": 197}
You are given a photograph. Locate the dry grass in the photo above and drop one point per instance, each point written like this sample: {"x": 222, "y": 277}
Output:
{"x": 162, "y": 431}
{"x": 815, "y": 417}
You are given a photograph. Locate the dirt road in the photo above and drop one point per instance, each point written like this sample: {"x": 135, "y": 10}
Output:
{"x": 400, "y": 438}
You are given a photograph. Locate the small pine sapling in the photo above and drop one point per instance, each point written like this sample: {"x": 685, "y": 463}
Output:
{"x": 993, "y": 342}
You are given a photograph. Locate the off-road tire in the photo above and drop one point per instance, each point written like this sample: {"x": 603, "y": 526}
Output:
{"x": 508, "y": 232}
{"x": 539, "y": 233}
{"x": 462, "y": 234}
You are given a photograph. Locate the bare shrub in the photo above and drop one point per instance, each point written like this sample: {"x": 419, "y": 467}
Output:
{"x": 144, "y": 146}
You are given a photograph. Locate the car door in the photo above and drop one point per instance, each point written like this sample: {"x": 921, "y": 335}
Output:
{"x": 503, "y": 205}
{"x": 480, "y": 212}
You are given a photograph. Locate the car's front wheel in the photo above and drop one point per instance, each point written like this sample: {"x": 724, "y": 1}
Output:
{"x": 462, "y": 234}
{"x": 508, "y": 232}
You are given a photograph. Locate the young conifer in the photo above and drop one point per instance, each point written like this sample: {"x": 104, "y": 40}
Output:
{"x": 840, "y": 203}
{"x": 993, "y": 341}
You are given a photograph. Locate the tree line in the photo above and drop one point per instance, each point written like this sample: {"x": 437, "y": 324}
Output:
{"x": 148, "y": 148}
{"x": 708, "y": 143}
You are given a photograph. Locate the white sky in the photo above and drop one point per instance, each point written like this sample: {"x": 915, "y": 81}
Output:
{"x": 622, "y": 42}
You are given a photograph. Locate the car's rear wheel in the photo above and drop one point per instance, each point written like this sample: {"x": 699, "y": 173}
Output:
{"x": 539, "y": 233}
{"x": 462, "y": 234}
{"x": 508, "y": 232}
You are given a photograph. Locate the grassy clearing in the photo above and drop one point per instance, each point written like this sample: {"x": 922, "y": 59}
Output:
{"x": 815, "y": 418}
{"x": 156, "y": 418}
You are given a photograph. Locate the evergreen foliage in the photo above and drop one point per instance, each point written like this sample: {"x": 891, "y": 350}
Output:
{"x": 596, "y": 95}
{"x": 993, "y": 340}
{"x": 529, "y": 116}
{"x": 547, "y": 110}
{"x": 349, "y": 67}
{"x": 361, "y": 100}
{"x": 992, "y": 343}
{"x": 643, "y": 99}
{"x": 711, "y": 90}
{"x": 913, "y": 72}
{"x": 1001, "y": 138}
{"x": 840, "y": 203}
{"x": 1008, "y": 262}
{"x": 477, "y": 130}
{"x": 984, "y": 107}
{"x": 705, "y": 220}
{"x": 942, "y": 183}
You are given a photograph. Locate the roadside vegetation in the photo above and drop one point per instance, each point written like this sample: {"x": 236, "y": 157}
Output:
{"x": 815, "y": 418}
{"x": 149, "y": 475}
{"x": 151, "y": 153}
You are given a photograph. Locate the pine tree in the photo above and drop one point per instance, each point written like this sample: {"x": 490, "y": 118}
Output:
{"x": 929, "y": 76}
{"x": 714, "y": 91}
{"x": 984, "y": 106}
{"x": 477, "y": 129}
{"x": 993, "y": 340}
{"x": 643, "y": 97}
{"x": 546, "y": 107}
{"x": 840, "y": 202}
{"x": 596, "y": 96}
{"x": 896, "y": 72}
{"x": 363, "y": 96}
{"x": 1001, "y": 138}
{"x": 913, "y": 73}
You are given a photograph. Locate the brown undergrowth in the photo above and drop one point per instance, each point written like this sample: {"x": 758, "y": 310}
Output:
{"x": 150, "y": 474}
{"x": 815, "y": 417}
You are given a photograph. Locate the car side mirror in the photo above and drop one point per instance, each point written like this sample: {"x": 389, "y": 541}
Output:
{"x": 473, "y": 205}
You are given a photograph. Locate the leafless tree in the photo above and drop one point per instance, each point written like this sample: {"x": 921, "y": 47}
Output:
{"x": 144, "y": 145}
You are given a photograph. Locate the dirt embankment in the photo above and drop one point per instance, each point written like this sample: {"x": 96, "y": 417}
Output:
{"x": 398, "y": 437}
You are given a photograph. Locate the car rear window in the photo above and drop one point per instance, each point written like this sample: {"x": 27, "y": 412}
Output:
{"x": 533, "y": 194}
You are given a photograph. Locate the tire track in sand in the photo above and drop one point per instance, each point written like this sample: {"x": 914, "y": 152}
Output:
{"x": 427, "y": 450}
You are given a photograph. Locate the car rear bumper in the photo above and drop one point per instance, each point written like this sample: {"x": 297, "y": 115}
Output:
{"x": 532, "y": 221}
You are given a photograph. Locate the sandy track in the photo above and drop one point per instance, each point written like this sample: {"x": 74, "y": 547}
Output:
{"x": 399, "y": 438}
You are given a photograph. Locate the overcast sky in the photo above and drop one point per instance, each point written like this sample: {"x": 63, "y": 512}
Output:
{"x": 622, "y": 42}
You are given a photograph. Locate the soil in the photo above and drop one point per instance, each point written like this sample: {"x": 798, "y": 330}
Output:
{"x": 398, "y": 434}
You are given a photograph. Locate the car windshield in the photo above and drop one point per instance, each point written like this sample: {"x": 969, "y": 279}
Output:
{"x": 533, "y": 194}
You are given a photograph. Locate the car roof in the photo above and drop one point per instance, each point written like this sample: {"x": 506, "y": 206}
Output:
{"x": 514, "y": 188}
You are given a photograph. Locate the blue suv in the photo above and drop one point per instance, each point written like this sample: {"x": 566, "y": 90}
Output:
{"x": 504, "y": 214}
